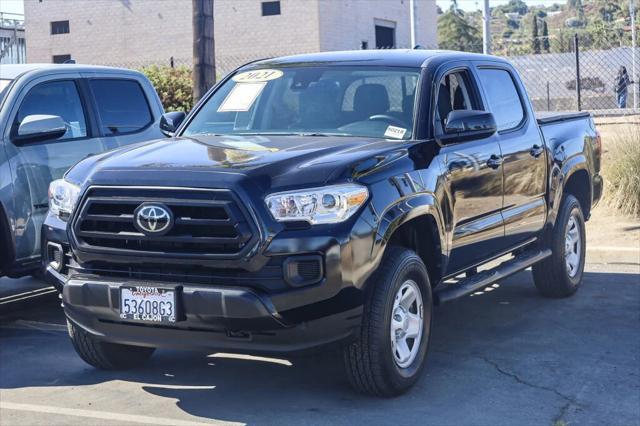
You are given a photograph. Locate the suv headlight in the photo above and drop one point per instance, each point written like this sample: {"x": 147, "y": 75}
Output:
{"x": 63, "y": 197}
{"x": 330, "y": 204}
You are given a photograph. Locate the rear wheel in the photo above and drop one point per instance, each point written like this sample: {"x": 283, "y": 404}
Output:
{"x": 389, "y": 354}
{"x": 560, "y": 275}
{"x": 104, "y": 355}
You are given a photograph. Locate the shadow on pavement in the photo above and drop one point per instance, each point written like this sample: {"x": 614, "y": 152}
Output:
{"x": 508, "y": 354}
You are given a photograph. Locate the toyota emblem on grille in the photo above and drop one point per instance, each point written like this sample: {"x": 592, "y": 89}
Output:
{"x": 153, "y": 219}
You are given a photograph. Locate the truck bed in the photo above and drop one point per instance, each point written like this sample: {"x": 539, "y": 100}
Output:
{"x": 549, "y": 117}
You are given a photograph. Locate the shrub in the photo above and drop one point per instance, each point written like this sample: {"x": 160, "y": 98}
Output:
{"x": 174, "y": 86}
{"x": 621, "y": 170}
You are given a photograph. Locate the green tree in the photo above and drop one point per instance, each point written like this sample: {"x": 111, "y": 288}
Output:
{"x": 174, "y": 86}
{"x": 456, "y": 33}
{"x": 535, "y": 40}
{"x": 545, "y": 37}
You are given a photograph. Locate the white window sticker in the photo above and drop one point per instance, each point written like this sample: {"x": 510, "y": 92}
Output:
{"x": 241, "y": 97}
{"x": 395, "y": 132}
{"x": 257, "y": 76}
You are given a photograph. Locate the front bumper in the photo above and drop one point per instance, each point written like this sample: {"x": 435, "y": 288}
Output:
{"x": 211, "y": 318}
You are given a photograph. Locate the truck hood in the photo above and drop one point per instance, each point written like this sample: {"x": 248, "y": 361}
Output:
{"x": 267, "y": 161}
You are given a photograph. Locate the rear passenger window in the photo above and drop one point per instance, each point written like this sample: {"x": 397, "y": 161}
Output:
{"x": 59, "y": 98}
{"x": 502, "y": 96}
{"x": 122, "y": 106}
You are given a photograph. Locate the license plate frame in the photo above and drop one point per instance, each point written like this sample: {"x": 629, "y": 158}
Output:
{"x": 137, "y": 304}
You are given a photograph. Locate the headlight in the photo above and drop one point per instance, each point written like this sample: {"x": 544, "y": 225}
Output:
{"x": 331, "y": 204}
{"x": 63, "y": 197}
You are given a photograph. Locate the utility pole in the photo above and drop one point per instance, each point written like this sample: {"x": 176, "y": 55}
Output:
{"x": 634, "y": 56}
{"x": 486, "y": 28}
{"x": 204, "y": 68}
{"x": 412, "y": 22}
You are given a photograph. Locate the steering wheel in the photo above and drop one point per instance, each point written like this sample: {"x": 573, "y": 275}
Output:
{"x": 388, "y": 118}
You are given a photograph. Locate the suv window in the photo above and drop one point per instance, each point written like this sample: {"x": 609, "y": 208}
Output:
{"x": 502, "y": 97}
{"x": 122, "y": 106}
{"x": 59, "y": 98}
{"x": 454, "y": 94}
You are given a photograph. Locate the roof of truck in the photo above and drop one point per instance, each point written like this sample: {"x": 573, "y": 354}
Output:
{"x": 382, "y": 57}
{"x": 11, "y": 71}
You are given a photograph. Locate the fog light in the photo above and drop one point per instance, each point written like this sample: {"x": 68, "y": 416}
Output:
{"x": 55, "y": 256}
{"x": 303, "y": 270}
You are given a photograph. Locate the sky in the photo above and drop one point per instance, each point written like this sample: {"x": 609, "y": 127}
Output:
{"x": 16, "y": 6}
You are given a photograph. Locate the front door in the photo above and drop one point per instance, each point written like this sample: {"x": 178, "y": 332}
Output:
{"x": 35, "y": 164}
{"x": 522, "y": 146}
{"x": 474, "y": 180}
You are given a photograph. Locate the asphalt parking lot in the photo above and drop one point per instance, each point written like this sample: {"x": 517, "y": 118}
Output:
{"x": 504, "y": 357}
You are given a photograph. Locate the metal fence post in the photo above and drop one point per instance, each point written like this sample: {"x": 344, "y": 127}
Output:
{"x": 576, "y": 45}
{"x": 548, "y": 98}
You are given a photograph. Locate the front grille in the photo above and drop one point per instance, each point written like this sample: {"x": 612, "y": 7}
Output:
{"x": 206, "y": 222}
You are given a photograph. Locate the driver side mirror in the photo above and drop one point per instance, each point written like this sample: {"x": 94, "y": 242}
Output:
{"x": 170, "y": 122}
{"x": 466, "y": 125}
{"x": 40, "y": 127}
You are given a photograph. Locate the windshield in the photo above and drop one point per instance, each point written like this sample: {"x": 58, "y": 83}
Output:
{"x": 309, "y": 100}
{"x": 4, "y": 84}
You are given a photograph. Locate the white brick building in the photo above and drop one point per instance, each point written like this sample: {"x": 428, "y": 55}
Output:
{"x": 139, "y": 32}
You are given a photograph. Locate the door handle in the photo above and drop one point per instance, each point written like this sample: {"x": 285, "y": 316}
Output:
{"x": 536, "y": 151}
{"x": 495, "y": 161}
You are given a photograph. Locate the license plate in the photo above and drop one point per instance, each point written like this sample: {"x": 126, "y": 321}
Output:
{"x": 152, "y": 304}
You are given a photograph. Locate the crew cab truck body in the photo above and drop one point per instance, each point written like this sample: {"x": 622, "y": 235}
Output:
{"x": 52, "y": 116}
{"x": 323, "y": 198}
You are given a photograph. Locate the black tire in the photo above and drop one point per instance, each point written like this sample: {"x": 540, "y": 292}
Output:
{"x": 369, "y": 361}
{"x": 104, "y": 355}
{"x": 551, "y": 276}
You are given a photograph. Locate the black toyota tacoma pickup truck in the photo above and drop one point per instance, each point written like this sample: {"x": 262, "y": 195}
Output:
{"x": 318, "y": 199}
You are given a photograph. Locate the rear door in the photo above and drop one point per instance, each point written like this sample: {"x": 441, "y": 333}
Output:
{"x": 523, "y": 152}
{"x": 474, "y": 181}
{"x": 127, "y": 108}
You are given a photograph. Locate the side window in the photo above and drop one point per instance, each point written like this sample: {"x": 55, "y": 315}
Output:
{"x": 502, "y": 97}
{"x": 454, "y": 94}
{"x": 122, "y": 106}
{"x": 59, "y": 98}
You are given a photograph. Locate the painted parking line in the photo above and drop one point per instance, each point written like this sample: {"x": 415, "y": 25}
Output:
{"x": 614, "y": 248}
{"x": 104, "y": 415}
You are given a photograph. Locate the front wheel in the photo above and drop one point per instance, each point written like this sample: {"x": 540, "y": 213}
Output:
{"x": 105, "y": 355}
{"x": 389, "y": 354}
{"x": 560, "y": 274}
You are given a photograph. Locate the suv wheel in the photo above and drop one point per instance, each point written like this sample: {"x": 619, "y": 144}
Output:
{"x": 560, "y": 274}
{"x": 104, "y": 355}
{"x": 390, "y": 352}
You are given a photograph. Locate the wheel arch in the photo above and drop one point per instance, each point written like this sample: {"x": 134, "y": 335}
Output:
{"x": 578, "y": 184}
{"x": 416, "y": 223}
{"x": 6, "y": 242}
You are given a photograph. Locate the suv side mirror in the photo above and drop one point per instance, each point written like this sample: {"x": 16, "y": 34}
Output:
{"x": 170, "y": 122}
{"x": 465, "y": 125}
{"x": 39, "y": 127}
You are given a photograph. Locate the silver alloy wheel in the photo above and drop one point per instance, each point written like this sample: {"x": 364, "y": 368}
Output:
{"x": 572, "y": 248}
{"x": 406, "y": 324}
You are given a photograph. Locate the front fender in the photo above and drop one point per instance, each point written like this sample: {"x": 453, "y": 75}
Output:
{"x": 403, "y": 211}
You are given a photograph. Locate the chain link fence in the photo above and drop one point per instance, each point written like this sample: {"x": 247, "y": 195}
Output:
{"x": 573, "y": 74}
{"x": 569, "y": 73}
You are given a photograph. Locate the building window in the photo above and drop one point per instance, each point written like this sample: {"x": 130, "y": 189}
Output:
{"x": 61, "y": 59}
{"x": 385, "y": 35}
{"x": 60, "y": 27}
{"x": 270, "y": 8}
